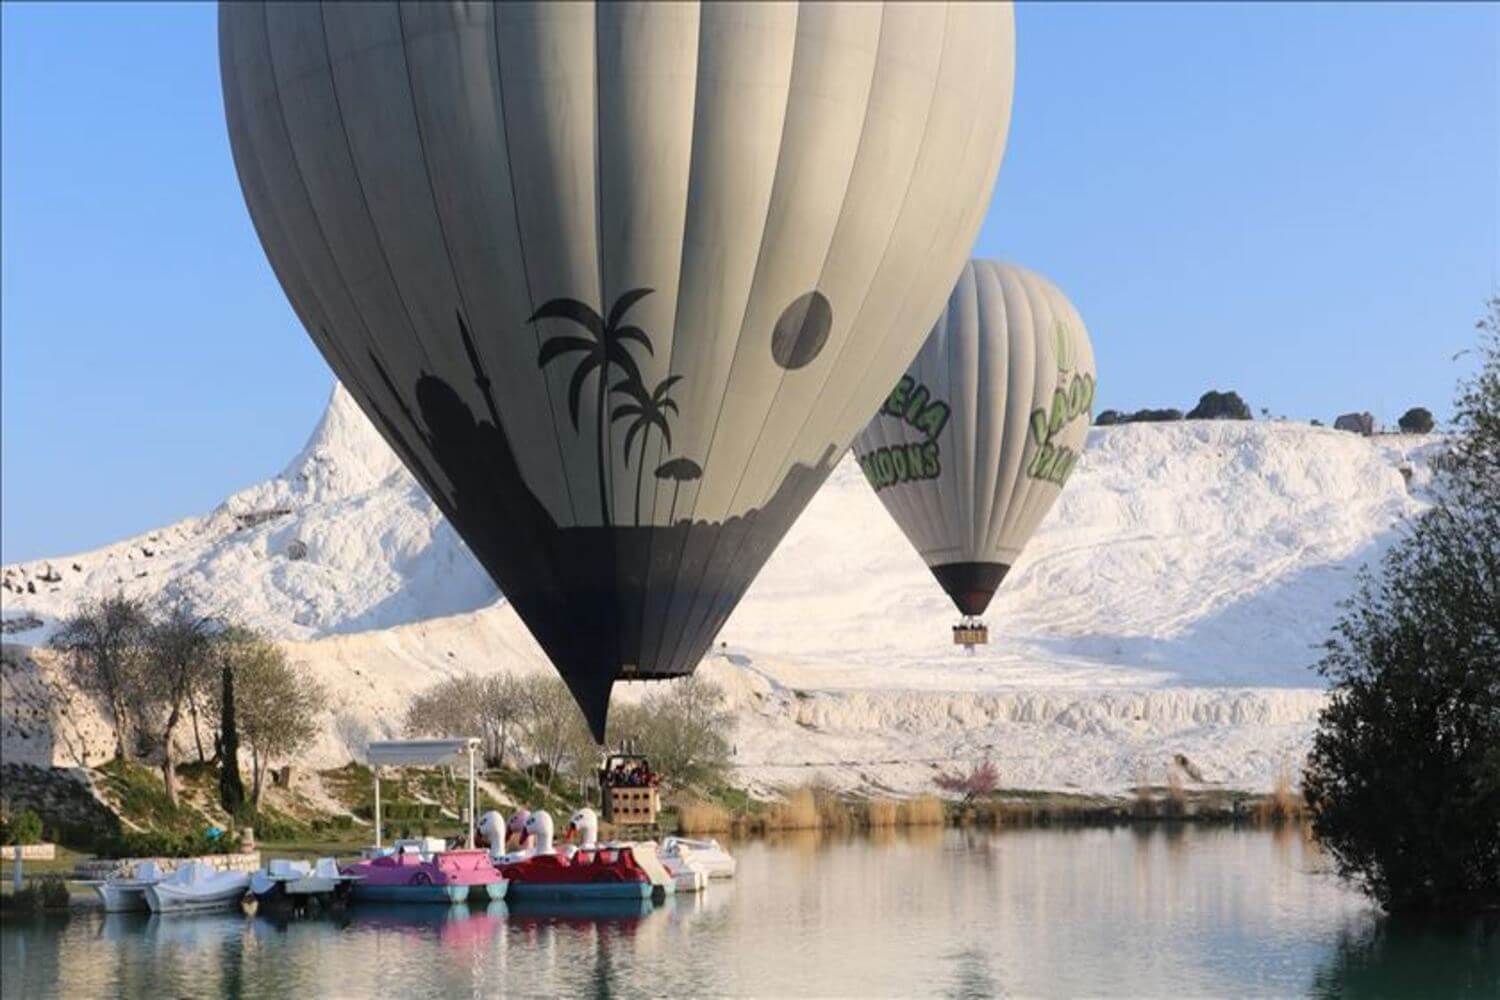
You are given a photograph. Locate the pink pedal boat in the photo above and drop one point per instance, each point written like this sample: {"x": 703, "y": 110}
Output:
{"x": 424, "y": 870}
{"x": 421, "y": 871}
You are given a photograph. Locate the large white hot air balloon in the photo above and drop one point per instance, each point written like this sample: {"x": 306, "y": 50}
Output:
{"x": 974, "y": 444}
{"x": 618, "y": 282}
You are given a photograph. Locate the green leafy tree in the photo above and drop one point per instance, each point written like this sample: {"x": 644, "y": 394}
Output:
{"x": 1417, "y": 420}
{"x": 603, "y": 348}
{"x": 276, "y": 705}
{"x": 1404, "y": 775}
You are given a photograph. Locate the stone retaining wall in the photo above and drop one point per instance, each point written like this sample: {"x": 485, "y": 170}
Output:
{"x": 101, "y": 868}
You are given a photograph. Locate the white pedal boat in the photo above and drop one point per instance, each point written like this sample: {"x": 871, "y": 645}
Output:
{"x": 197, "y": 886}
{"x": 289, "y": 880}
{"x": 705, "y": 854}
{"x": 126, "y": 892}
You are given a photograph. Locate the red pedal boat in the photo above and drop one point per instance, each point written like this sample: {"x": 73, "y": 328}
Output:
{"x": 603, "y": 873}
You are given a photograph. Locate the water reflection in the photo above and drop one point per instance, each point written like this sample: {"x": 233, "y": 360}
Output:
{"x": 1146, "y": 910}
{"x": 1393, "y": 957}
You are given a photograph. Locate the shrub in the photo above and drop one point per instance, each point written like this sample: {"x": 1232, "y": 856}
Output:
{"x": 1152, "y": 416}
{"x": 1215, "y": 405}
{"x": 25, "y": 828}
{"x": 980, "y": 780}
{"x": 49, "y": 892}
{"x": 338, "y": 823}
{"x": 271, "y": 827}
{"x": 1107, "y": 418}
{"x": 1417, "y": 420}
{"x": 159, "y": 844}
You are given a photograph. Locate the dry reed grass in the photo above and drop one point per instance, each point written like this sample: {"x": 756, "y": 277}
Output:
{"x": 924, "y": 810}
{"x": 882, "y": 813}
{"x": 798, "y": 811}
{"x": 1176, "y": 804}
{"x": 694, "y": 818}
{"x": 1145, "y": 798}
{"x": 1284, "y": 804}
{"x": 812, "y": 807}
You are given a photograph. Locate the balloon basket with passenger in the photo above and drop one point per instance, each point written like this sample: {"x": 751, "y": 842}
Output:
{"x": 629, "y": 792}
{"x": 970, "y": 632}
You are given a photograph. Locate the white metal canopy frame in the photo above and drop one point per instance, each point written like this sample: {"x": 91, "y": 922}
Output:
{"x": 430, "y": 753}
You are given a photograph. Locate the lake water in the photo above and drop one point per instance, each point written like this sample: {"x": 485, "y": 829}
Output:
{"x": 1140, "y": 912}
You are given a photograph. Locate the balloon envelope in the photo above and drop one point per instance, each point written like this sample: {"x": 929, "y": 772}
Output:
{"x": 618, "y": 282}
{"x": 972, "y": 447}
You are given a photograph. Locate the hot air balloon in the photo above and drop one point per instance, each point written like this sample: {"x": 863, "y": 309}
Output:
{"x": 618, "y": 282}
{"x": 973, "y": 445}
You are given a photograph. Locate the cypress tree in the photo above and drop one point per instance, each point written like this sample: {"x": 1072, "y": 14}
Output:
{"x": 231, "y": 788}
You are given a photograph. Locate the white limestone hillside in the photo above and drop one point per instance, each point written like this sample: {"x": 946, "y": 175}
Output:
{"x": 1169, "y": 604}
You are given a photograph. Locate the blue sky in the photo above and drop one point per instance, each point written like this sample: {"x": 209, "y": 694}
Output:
{"x": 1301, "y": 203}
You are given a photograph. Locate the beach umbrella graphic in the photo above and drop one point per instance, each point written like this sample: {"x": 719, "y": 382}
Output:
{"x": 618, "y": 282}
{"x": 972, "y": 447}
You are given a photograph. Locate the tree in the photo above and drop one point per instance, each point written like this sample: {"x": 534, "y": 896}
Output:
{"x": 684, "y": 727}
{"x": 549, "y": 720}
{"x": 1215, "y": 405}
{"x": 980, "y": 780}
{"x": 469, "y": 705}
{"x": 178, "y": 662}
{"x": 275, "y": 703}
{"x": 503, "y": 700}
{"x": 227, "y": 746}
{"x": 103, "y": 641}
{"x": 1404, "y": 774}
{"x": 1417, "y": 420}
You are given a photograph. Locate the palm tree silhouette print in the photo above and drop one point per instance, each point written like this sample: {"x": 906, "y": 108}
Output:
{"x": 603, "y": 348}
{"x": 679, "y": 470}
{"x": 645, "y": 411}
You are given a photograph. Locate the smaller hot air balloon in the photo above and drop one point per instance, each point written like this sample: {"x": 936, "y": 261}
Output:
{"x": 973, "y": 445}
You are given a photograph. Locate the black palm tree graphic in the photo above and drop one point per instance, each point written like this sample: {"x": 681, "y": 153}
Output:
{"x": 602, "y": 348}
{"x": 649, "y": 409}
{"x": 679, "y": 470}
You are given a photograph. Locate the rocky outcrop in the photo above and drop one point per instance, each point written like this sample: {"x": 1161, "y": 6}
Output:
{"x": 44, "y": 720}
